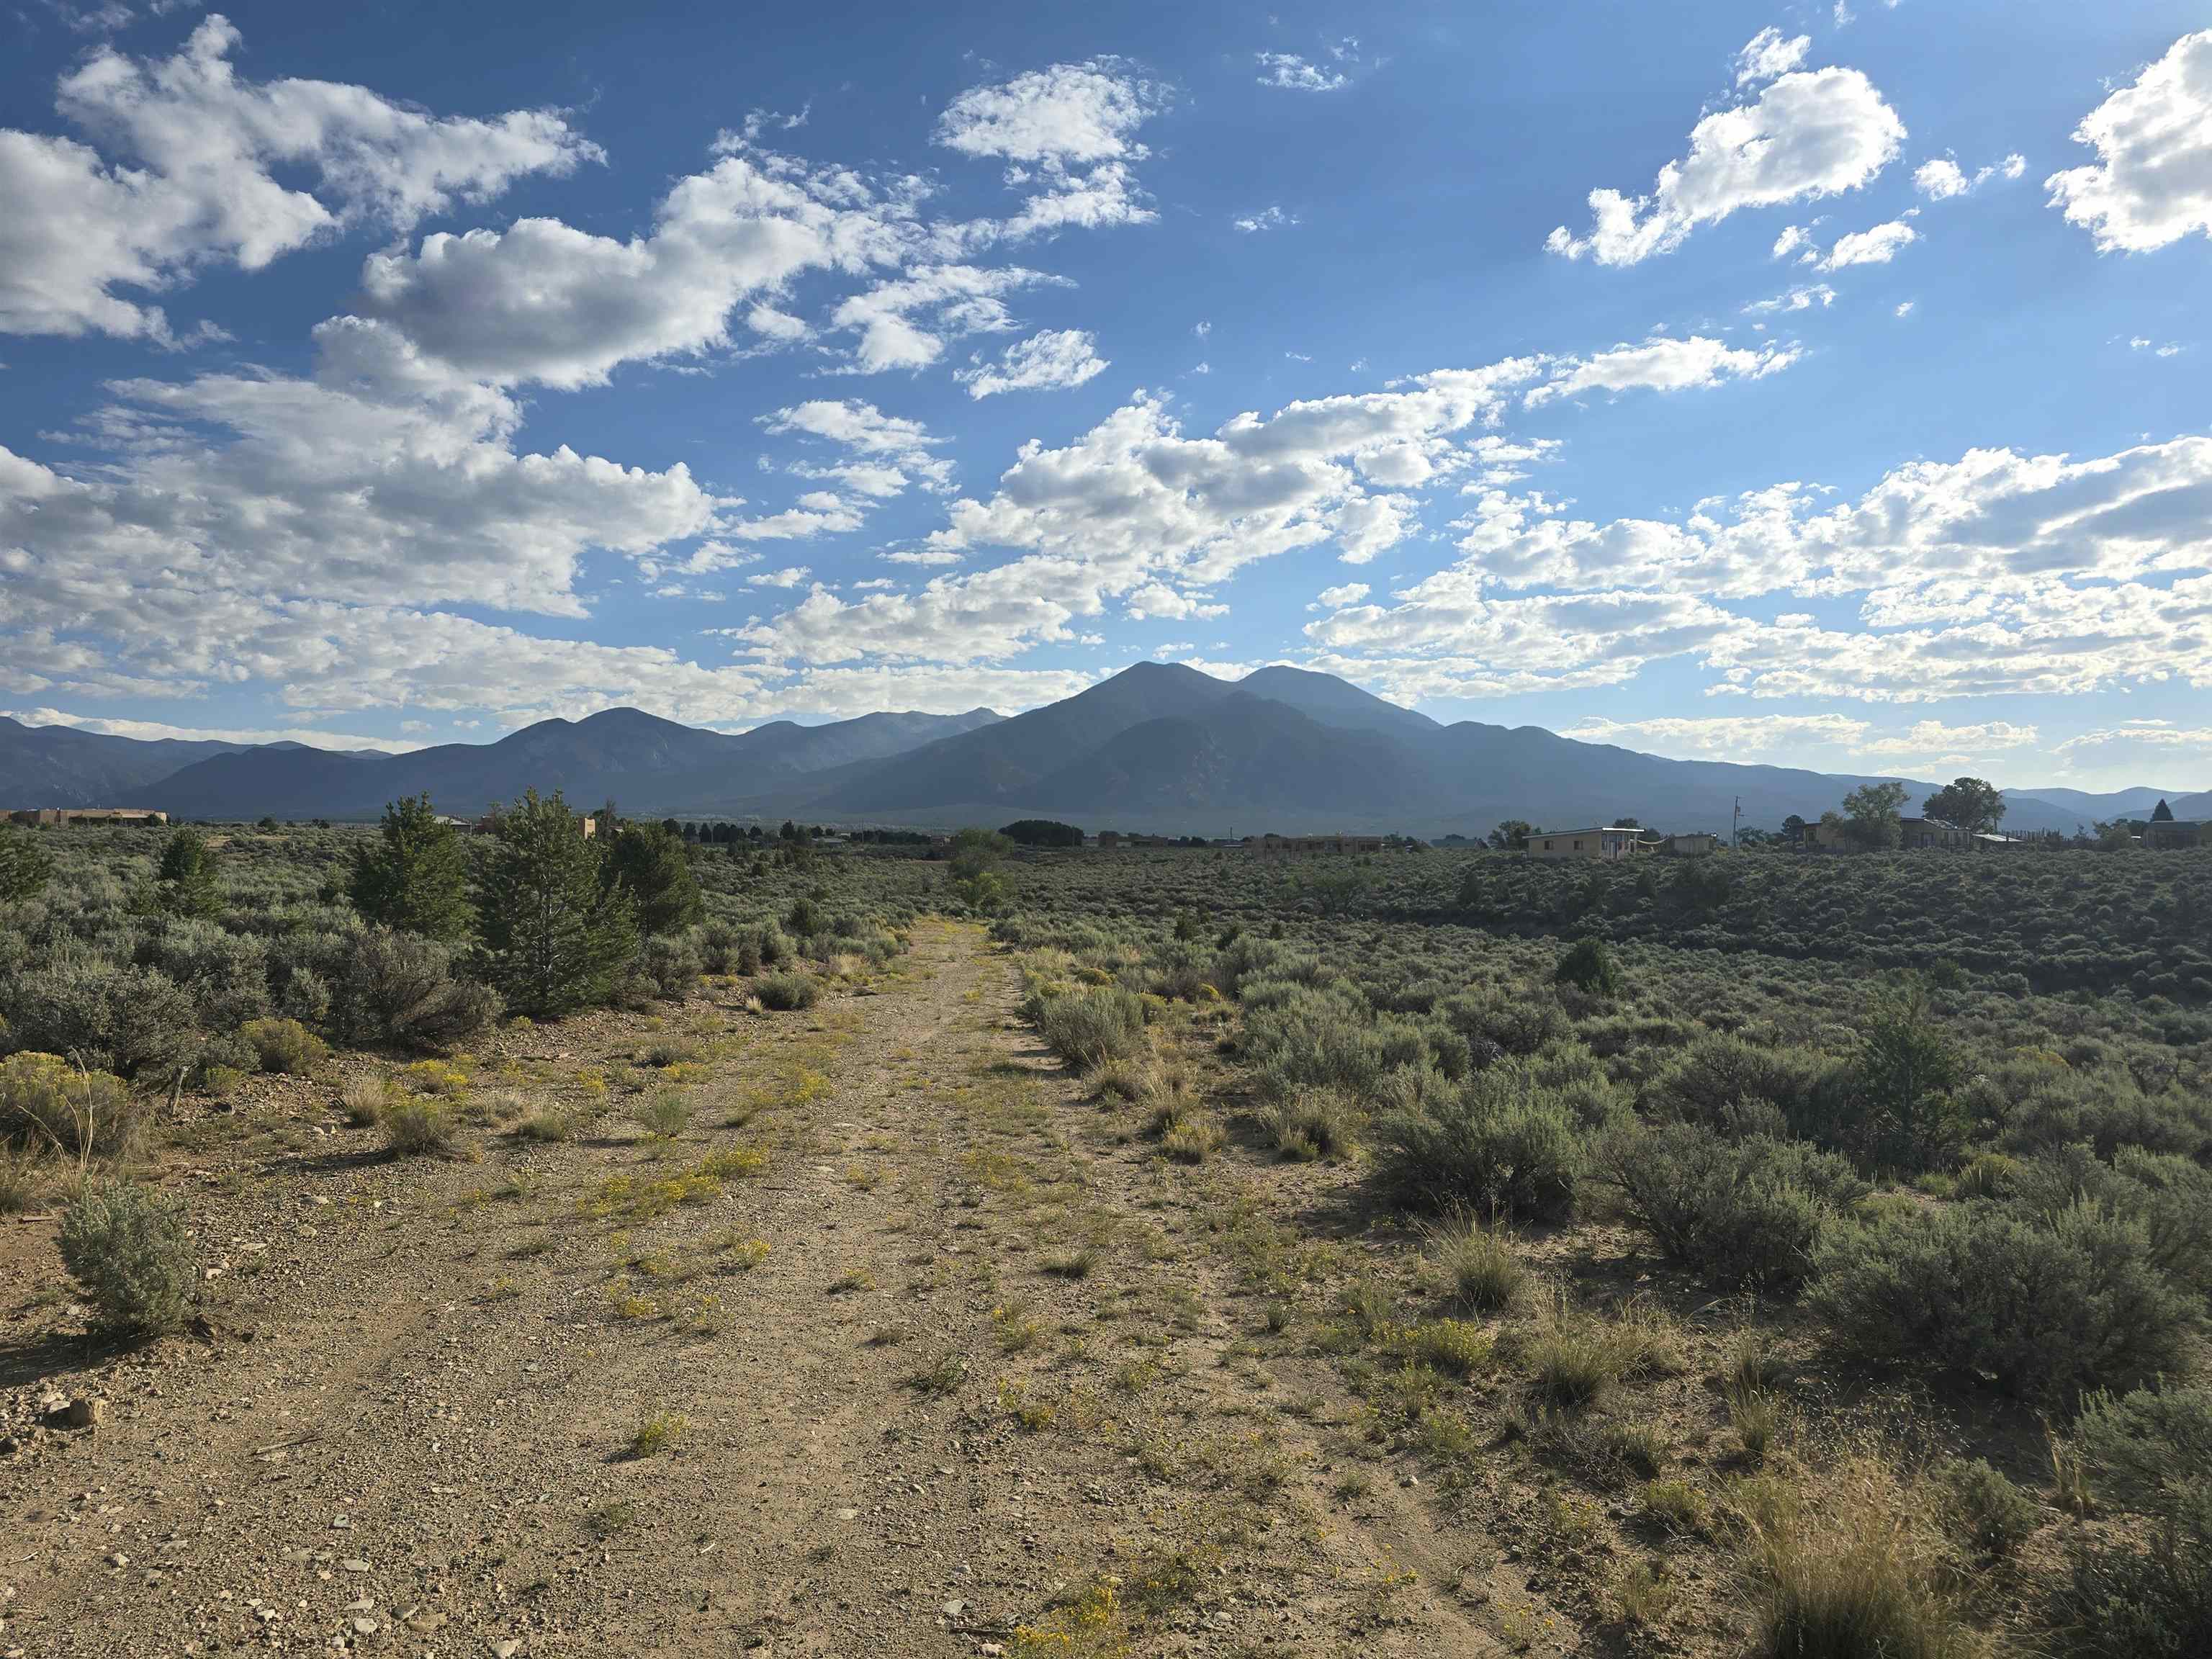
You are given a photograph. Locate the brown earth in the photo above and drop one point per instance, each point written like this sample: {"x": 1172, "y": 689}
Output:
{"x": 1002, "y": 1380}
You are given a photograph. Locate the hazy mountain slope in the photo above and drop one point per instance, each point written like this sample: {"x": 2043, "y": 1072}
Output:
{"x": 61, "y": 766}
{"x": 1333, "y": 702}
{"x": 2088, "y": 807}
{"x": 646, "y": 764}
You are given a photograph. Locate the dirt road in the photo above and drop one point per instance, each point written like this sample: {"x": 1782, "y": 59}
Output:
{"x": 901, "y": 1346}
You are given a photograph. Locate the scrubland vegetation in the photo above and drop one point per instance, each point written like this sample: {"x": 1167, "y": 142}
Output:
{"x": 1816, "y": 1246}
{"x": 1789, "y": 1254}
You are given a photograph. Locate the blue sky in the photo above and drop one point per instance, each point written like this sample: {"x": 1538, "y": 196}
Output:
{"x": 1814, "y": 384}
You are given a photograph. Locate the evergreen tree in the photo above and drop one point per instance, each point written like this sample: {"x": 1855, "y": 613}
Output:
{"x": 558, "y": 937}
{"x": 184, "y": 881}
{"x": 651, "y": 860}
{"x": 416, "y": 877}
{"x": 24, "y": 865}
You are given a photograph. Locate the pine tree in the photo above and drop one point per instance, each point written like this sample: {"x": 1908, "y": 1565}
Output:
{"x": 24, "y": 865}
{"x": 184, "y": 881}
{"x": 652, "y": 861}
{"x": 559, "y": 938}
{"x": 416, "y": 877}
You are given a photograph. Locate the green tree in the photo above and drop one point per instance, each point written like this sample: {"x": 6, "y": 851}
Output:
{"x": 558, "y": 937}
{"x": 1873, "y": 815}
{"x": 974, "y": 851}
{"x": 185, "y": 880}
{"x": 24, "y": 865}
{"x": 1970, "y": 803}
{"x": 1043, "y": 832}
{"x": 652, "y": 861}
{"x": 1905, "y": 1071}
{"x": 1511, "y": 836}
{"x": 415, "y": 877}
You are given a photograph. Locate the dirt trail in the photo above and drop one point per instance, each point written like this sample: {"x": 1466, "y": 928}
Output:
{"x": 991, "y": 1384}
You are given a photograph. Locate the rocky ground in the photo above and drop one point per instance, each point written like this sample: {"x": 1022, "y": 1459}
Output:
{"x": 902, "y": 1345}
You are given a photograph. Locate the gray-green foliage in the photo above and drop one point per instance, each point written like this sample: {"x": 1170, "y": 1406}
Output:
{"x": 1746, "y": 1211}
{"x": 1500, "y": 1144}
{"x": 128, "y": 1248}
{"x": 25, "y": 866}
{"x": 1091, "y": 1025}
{"x": 2146, "y": 1595}
{"x": 136, "y": 1021}
{"x": 400, "y": 989}
{"x": 2040, "y": 1308}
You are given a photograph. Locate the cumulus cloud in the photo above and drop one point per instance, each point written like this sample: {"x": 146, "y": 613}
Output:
{"x": 1070, "y": 113}
{"x": 1808, "y": 134}
{"x": 152, "y": 731}
{"x": 1662, "y": 364}
{"x": 2151, "y": 184}
{"x": 1049, "y": 361}
{"x": 189, "y": 165}
{"x": 1292, "y": 73}
{"x": 1769, "y": 53}
{"x": 1941, "y": 177}
{"x": 1780, "y": 737}
{"x": 1335, "y": 598}
{"x": 1803, "y": 298}
{"x": 1876, "y": 246}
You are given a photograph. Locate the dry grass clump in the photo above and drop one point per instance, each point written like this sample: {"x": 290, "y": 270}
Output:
{"x": 1848, "y": 1564}
{"x": 363, "y": 1100}
{"x": 417, "y": 1126}
{"x": 1481, "y": 1271}
{"x": 1573, "y": 1355}
{"x": 1314, "y": 1123}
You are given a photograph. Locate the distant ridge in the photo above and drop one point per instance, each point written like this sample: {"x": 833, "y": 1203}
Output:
{"x": 1159, "y": 747}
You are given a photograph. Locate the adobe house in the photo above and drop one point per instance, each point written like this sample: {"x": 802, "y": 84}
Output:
{"x": 1611, "y": 844}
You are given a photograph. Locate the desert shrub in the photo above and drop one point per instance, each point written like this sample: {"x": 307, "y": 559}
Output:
{"x": 786, "y": 991}
{"x": 1987, "y": 1509}
{"x": 363, "y": 1100}
{"x": 128, "y": 1248}
{"x": 284, "y": 1045}
{"x": 417, "y": 1124}
{"x": 662, "y": 1115}
{"x": 1589, "y": 965}
{"x": 720, "y": 948}
{"x": 134, "y": 1021}
{"x": 1848, "y": 1570}
{"x": 45, "y": 1102}
{"x": 1748, "y": 1209}
{"x": 1498, "y": 1144}
{"x": 775, "y": 948}
{"x": 1090, "y": 1025}
{"x": 225, "y": 974}
{"x": 399, "y": 988}
{"x": 1515, "y": 1020}
{"x": 1321, "y": 1122}
{"x": 22, "y": 1178}
{"x": 673, "y": 965}
{"x": 1573, "y": 1355}
{"x": 1718, "y": 1071}
{"x": 1194, "y": 1138}
{"x": 2170, "y": 1195}
{"x": 2042, "y": 1309}
{"x": 2145, "y": 1595}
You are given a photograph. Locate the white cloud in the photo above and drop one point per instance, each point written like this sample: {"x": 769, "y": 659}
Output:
{"x": 2144, "y": 342}
{"x": 1797, "y": 299}
{"x": 1070, "y": 113}
{"x": 1769, "y": 53}
{"x": 1809, "y": 134}
{"x": 1292, "y": 73}
{"x": 1876, "y": 246}
{"x": 789, "y": 576}
{"x": 1904, "y": 307}
{"x": 1268, "y": 218}
{"x": 2151, "y": 184}
{"x": 1941, "y": 177}
{"x": 188, "y": 174}
{"x": 905, "y": 322}
{"x": 1762, "y": 737}
{"x": 1335, "y": 598}
{"x": 148, "y": 731}
{"x": 1661, "y": 363}
{"x": 1048, "y": 362}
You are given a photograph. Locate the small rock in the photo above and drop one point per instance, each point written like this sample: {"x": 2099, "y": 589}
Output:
{"x": 350, "y": 1564}
{"x": 505, "y": 1649}
{"x": 83, "y": 1412}
{"x": 954, "y": 1608}
{"x": 364, "y": 1626}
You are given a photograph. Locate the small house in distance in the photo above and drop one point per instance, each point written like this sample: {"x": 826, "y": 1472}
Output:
{"x": 1690, "y": 845}
{"x": 50, "y": 817}
{"x": 1275, "y": 843}
{"x": 1611, "y": 844}
{"x": 1933, "y": 832}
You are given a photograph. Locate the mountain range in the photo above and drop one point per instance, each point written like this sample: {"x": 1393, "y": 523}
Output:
{"x": 1157, "y": 747}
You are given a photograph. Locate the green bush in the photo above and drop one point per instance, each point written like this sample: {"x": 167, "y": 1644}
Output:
{"x": 1500, "y": 1144}
{"x": 1747, "y": 1210}
{"x": 127, "y": 1248}
{"x": 284, "y": 1045}
{"x": 673, "y": 963}
{"x": 2040, "y": 1309}
{"x": 1088, "y": 1026}
{"x": 1589, "y": 965}
{"x": 46, "y": 1104}
{"x": 134, "y": 1021}
{"x": 2146, "y": 1595}
{"x": 786, "y": 991}
{"x": 1321, "y": 1122}
{"x": 1987, "y": 1509}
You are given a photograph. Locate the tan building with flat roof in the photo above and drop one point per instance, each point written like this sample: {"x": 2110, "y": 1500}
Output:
{"x": 1611, "y": 844}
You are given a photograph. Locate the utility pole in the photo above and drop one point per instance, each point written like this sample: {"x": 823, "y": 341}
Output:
{"x": 1736, "y": 827}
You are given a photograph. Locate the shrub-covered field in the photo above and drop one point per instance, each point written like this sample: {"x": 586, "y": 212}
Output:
{"x": 1911, "y": 1155}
